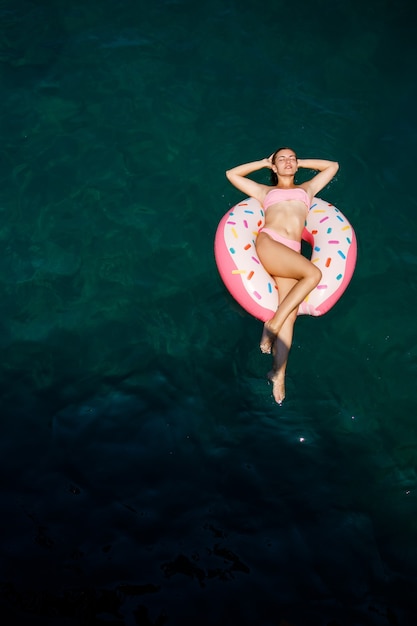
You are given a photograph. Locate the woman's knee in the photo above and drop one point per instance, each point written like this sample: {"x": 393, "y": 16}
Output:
{"x": 315, "y": 275}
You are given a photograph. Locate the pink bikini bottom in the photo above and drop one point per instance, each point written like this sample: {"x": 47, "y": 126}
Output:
{"x": 290, "y": 243}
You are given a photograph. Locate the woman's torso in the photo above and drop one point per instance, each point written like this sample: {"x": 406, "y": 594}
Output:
{"x": 286, "y": 210}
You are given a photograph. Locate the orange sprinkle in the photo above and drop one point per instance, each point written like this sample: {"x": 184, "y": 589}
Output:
{"x": 314, "y": 232}
{"x": 328, "y": 261}
{"x": 248, "y": 245}
{"x": 250, "y": 275}
{"x": 259, "y": 222}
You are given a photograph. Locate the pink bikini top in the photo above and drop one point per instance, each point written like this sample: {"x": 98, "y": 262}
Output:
{"x": 280, "y": 195}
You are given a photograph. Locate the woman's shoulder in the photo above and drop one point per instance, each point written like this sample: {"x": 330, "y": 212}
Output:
{"x": 262, "y": 191}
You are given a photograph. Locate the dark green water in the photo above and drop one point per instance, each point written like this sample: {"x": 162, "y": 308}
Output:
{"x": 147, "y": 475}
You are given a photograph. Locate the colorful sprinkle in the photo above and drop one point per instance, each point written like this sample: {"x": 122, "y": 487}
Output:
{"x": 250, "y": 275}
{"x": 245, "y": 224}
{"x": 340, "y": 253}
{"x": 259, "y": 223}
{"x": 328, "y": 261}
{"x": 235, "y": 235}
{"x": 232, "y": 223}
{"x": 339, "y": 276}
{"x": 324, "y": 219}
{"x": 238, "y": 271}
{"x": 316, "y": 248}
{"x": 346, "y": 227}
{"x": 256, "y": 260}
{"x": 232, "y": 251}
{"x": 321, "y": 286}
{"x": 340, "y": 218}
{"x": 269, "y": 287}
{"x": 248, "y": 245}
{"x": 333, "y": 241}
{"x": 314, "y": 232}
{"x": 248, "y": 211}
{"x": 257, "y": 295}
{"x": 329, "y": 230}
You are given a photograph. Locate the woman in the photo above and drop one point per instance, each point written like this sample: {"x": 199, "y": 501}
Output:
{"x": 278, "y": 244}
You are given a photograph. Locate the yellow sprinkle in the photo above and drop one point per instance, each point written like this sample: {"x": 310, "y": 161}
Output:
{"x": 234, "y": 232}
{"x": 345, "y": 227}
{"x": 255, "y": 233}
{"x": 319, "y": 211}
{"x": 315, "y": 260}
{"x": 238, "y": 271}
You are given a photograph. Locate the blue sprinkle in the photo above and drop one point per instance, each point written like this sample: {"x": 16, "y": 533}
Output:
{"x": 269, "y": 287}
{"x": 248, "y": 211}
{"x": 232, "y": 250}
{"x": 312, "y": 206}
{"x": 317, "y": 249}
{"x": 339, "y": 276}
{"x": 340, "y": 218}
{"x": 340, "y": 253}
{"x": 348, "y": 240}
{"x": 329, "y": 230}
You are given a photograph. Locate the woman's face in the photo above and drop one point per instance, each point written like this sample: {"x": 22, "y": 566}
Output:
{"x": 286, "y": 162}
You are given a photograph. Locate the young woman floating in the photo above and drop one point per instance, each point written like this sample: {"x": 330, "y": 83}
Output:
{"x": 278, "y": 244}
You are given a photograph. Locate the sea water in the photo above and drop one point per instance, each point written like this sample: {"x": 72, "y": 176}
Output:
{"x": 148, "y": 476}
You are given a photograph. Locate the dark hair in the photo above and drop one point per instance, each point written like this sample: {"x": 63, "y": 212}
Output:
{"x": 274, "y": 177}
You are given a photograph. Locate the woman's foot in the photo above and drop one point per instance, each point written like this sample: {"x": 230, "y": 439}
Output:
{"x": 278, "y": 386}
{"x": 267, "y": 340}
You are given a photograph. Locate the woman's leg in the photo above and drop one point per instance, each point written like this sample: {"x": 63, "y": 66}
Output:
{"x": 282, "y": 345}
{"x": 281, "y": 261}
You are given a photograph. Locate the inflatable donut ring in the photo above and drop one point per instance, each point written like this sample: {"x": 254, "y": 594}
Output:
{"x": 334, "y": 251}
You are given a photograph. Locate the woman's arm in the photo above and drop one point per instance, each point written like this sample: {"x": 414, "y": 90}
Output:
{"x": 237, "y": 176}
{"x": 327, "y": 171}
